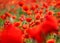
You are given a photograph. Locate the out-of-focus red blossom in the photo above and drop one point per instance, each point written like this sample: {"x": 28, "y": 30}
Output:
{"x": 3, "y": 16}
{"x": 29, "y": 12}
{"x": 35, "y": 29}
{"x": 25, "y": 26}
{"x": 7, "y": 23}
{"x": 45, "y": 5}
{"x": 51, "y": 41}
{"x": 58, "y": 13}
{"x": 16, "y": 24}
{"x": 40, "y": 11}
{"x": 42, "y": 7}
{"x": 33, "y": 1}
{"x": 11, "y": 34}
{"x": 50, "y": 13}
{"x": 14, "y": 17}
{"x": 30, "y": 1}
{"x": 49, "y": 25}
{"x": 8, "y": 14}
{"x": 35, "y": 33}
{"x": 33, "y": 7}
{"x": 25, "y": 8}
{"x": 21, "y": 3}
{"x": 57, "y": 4}
{"x": 39, "y": 39}
{"x": 36, "y": 11}
{"x": 41, "y": 19}
{"x": 32, "y": 23}
{"x": 28, "y": 19}
{"x": 37, "y": 16}
{"x": 37, "y": 22}
{"x": 0, "y": 34}
{"x": 22, "y": 17}
{"x": 37, "y": 5}
{"x": 47, "y": 10}
{"x": 58, "y": 20}
{"x": 49, "y": 2}
{"x": 53, "y": 3}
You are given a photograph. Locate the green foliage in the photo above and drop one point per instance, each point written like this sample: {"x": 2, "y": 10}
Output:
{"x": 1, "y": 22}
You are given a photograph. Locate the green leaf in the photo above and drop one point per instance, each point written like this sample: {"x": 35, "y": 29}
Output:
{"x": 1, "y": 22}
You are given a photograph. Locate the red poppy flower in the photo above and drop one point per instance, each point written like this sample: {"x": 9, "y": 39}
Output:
{"x": 28, "y": 19}
{"x": 36, "y": 34}
{"x": 16, "y": 24}
{"x": 21, "y": 3}
{"x": 37, "y": 16}
{"x": 33, "y": 31}
{"x": 22, "y": 17}
{"x": 29, "y": 12}
{"x": 50, "y": 24}
{"x": 3, "y": 16}
{"x": 57, "y": 4}
{"x": 33, "y": 7}
{"x": 25, "y": 26}
{"x": 41, "y": 11}
{"x": 8, "y": 14}
{"x": 35, "y": 11}
{"x": 11, "y": 34}
{"x": 37, "y": 5}
{"x": 0, "y": 35}
{"x": 51, "y": 41}
{"x": 32, "y": 23}
{"x": 14, "y": 17}
{"x": 45, "y": 5}
{"x": 37, "y": 22}
{"x": 25, "y": 8}
{"x": 58, "y": 13}
{"x": 39, "y": 38}
{"x": 33, "y": 1}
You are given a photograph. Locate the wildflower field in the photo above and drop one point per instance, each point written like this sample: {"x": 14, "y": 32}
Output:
{"x": 29, "y": 21}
